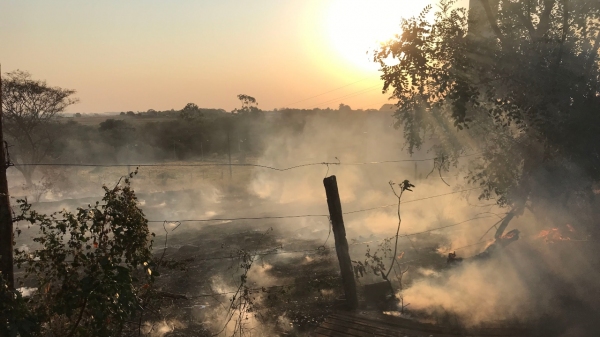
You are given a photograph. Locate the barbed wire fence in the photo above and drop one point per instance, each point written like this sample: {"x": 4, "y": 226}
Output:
{"x": 213, "y": 164}
{"x": 280, "y": 249}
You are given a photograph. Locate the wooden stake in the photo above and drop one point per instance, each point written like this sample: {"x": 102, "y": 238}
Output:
{"x": 341, "y": 244}
{"x": 6, "y": 224}
{"x": 229, "y": 153}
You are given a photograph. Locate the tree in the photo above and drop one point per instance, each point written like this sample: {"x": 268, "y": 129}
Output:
{"x": 244, "y": 125}
{"x": 249, "y": 105}
{"x": 190, "y": 112}
{"x": 30, "y": 107}
{"x": 521, "y": 86}
{"x": 344, "y": 107}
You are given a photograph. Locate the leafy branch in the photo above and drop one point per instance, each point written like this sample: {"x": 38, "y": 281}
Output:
{"x": 93, "y": 267}
{"x": 375, "y": 262}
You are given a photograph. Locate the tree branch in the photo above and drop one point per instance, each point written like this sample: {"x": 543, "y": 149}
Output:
{"x": 492, "y": 20}
{"x": 545, "y": 18}
{"x": 79, "y": 318}
{"x": 526, "y": 20}
{"x": 504, "y": 224}
{"x": 565, "y": 31}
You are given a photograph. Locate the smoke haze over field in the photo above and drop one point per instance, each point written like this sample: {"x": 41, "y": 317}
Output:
{"x": 523, "y": 284}
{"x": 535, "y": 279}
{"x": 463, "y": 137}
{"x": 531, "y": 280}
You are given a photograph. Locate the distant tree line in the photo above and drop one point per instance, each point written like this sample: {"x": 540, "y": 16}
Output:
{"x": 36, "y": 132}
{"x": 188, "y": 133}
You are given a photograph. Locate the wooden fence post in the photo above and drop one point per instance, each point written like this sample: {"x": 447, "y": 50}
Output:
{"x": 341, "y": 244}
{"x": 6, "y": 224}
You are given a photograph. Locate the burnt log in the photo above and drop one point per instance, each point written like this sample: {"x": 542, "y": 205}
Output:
{"x": 499, "y": 244}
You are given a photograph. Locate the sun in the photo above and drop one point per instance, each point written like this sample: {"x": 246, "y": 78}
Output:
{"x": 355, "y": 27}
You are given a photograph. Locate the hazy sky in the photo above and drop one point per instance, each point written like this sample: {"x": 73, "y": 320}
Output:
{"x": 155, "y": 54}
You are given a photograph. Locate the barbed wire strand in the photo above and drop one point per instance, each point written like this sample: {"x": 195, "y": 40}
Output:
{"x": 238, "y": 164}
{"x": 243, "y": 218}
{"x": 322, "y": 248}
{"x": 427, "y": 230}
{"x": 412, "y": 200}
{"x": 311, "y": 215}
{"x": 230, "y": 257}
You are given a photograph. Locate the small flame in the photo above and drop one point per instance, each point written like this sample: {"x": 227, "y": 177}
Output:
{"x": 554, "y": 234}
{"x": 510, "y": 235}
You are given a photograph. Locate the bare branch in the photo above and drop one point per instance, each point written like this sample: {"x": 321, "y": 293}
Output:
{"x": 79, "y": 318}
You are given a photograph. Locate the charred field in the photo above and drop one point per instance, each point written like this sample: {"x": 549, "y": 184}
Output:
{"x": 249, "y": 249}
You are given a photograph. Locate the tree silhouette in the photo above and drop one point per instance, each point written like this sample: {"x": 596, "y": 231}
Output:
{"x": 190, "y": 112}
{"x": 249, "y": 105}
{"x": 521, "y": 85}
{"x": 30, "y": 110}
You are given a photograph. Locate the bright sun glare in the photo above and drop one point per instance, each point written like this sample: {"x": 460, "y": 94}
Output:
{"x": 357, "y": 26}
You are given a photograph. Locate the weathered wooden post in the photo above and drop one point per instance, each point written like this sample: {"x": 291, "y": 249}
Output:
{"x": 6, "y": 222}
{"x": 341, "y": 244}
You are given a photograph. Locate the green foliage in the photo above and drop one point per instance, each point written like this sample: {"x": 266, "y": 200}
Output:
{"x": 15, "y": 316}
{"x": 92, "y": 267}
{"x": 523, "y": 88}
{"x": 375, "y": 262}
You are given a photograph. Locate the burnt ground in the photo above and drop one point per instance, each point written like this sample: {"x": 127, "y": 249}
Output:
{"x": 293, "y": 295}
{"x": 299, "y": 287}
{"x": 201, "y": 268}
{"x": 201, "y": 264}
{"x": 299, "y": 272}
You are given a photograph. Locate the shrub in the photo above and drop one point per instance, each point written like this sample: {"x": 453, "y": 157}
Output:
{"x": 91, "y": 269}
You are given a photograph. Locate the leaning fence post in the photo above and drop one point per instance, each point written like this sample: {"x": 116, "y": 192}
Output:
{"x": 341, "y": 244}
